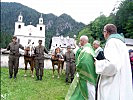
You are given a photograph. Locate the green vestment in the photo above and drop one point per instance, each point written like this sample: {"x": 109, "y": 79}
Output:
{"x": 77, "y": 54}
{"x": 86, "y": 72}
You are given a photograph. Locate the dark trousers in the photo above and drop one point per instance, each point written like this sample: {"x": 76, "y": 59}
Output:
{"x": 70, "y": 69}
{"x": 13, "y": 64}
{"x": 39, "y": 66}
{"x": 97, "y": 87}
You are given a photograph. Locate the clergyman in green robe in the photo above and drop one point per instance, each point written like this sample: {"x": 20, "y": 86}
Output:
{"x": 83, "y": 85}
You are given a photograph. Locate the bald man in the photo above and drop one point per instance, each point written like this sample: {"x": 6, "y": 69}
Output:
{"x": 83, "y": 85}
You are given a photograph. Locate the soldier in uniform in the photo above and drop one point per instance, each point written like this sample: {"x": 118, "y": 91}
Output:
{"x": 39, "y": 59}
{"x": 69, "y": 57}
{"x": 14, "y": 56}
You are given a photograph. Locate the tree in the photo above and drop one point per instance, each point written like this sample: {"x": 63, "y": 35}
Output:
{"x": 124, "y": 18}
{"x": 4, "y": 39}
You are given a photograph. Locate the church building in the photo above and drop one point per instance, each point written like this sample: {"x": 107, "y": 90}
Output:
{"x": 62, "y": 42}
{"x": 29, "y": 33}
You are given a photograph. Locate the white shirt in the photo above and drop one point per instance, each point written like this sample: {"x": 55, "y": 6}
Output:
{"x": 97, "y": 50}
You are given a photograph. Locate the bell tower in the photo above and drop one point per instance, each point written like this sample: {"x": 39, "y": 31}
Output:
{"x": 19, "y": 25}
{"x": 20, "y": 17}
{"x": 41, "y": 28}
{"x": 41, "y": 19}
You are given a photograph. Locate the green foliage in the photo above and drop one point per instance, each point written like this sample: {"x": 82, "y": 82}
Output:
{"x": 4, "y": 39}
{"x": 94, "y": 29}
{"x": 86, "y": 31}
{"x": 27, "y": 88}
{"x": 129, "y": 27}
{"x": 123, "y": 19}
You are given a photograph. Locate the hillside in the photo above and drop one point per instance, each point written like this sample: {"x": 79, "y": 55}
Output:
{"x": 61, "y": 25}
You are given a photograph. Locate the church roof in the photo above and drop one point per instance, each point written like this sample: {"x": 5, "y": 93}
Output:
{"x": 63, "y": 42}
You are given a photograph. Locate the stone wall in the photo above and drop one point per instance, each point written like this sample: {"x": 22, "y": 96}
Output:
{"x": 4, "y": 62}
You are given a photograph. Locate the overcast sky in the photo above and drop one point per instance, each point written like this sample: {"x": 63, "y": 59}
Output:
{"x": 80, "y": 10}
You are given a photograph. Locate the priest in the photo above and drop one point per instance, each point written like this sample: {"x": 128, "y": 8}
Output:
{"x": 83, "y": 85}
{"x": 115, "y": 81}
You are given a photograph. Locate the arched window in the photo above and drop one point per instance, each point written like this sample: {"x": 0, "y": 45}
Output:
{"x": 19, "y": 26}
{"x": 40, "y": 28}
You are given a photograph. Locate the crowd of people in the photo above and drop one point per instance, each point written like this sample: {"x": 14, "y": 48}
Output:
{"x": 100, "y": 74}
{"x": 105, "y": 74}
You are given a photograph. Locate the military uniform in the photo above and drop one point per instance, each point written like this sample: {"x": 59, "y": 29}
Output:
{"x": 14, "y": 57}
{"x": 70, "y": 65}
{"x": 39, "y": 60}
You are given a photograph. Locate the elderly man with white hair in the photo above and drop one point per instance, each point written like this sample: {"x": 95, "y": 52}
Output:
{"x": 83, "y": 85}
{"x": 98, "y": 50}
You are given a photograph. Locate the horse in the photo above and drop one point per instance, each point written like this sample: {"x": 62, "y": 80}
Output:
{"x": 29, "y": 58}
{"x": 57, "y": 59}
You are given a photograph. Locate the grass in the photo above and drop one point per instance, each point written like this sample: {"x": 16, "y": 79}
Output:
{"x": 27, "y": 88}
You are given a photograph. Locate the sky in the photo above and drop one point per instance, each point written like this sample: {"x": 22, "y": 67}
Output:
{"x": 81, "y": 10}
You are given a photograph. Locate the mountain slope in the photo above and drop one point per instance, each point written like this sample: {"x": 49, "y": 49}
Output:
{"x": 62, "y": 25}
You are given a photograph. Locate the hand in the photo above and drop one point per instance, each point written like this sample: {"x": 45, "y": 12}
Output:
{"x": 77, "y": 75}
{"x": 61, "y": 59}
{"x": 95, "y": 61}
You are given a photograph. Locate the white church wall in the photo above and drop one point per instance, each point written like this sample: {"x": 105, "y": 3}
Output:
{"x": 29, "y": 32}
{"x": 23, "y": 40}
{"x": 41, "y": 32}
{"x": 18, "y": 29}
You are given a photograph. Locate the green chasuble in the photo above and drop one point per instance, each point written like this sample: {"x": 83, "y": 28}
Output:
{"x": 77, "y": 54}
{"x": 86, "y": 72}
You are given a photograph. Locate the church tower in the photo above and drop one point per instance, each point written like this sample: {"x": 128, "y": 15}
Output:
{"x": 41, "y": 19}
{"x": 29, "y": 32}
{"x": 19, "y": 25}
{"x": 20, "y": 17}
{"x": 41, "y": 28}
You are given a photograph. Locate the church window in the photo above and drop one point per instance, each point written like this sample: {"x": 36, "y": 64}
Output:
{"x": 40, "y": 28}
{"x": 29, "y": 33}
{"x": 19, "y": 26}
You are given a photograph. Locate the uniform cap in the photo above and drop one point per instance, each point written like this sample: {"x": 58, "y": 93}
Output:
{"x": 68, "y": 47}
{"x": 14, "y": 37}
{"x": 40, "y": 40}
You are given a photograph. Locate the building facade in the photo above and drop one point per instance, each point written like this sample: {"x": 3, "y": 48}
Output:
{"x": 62, "y": 42}
{"x": 29, "y": 33}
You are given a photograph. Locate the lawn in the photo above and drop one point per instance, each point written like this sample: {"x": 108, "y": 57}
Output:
{"x": 27, "y": 88}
